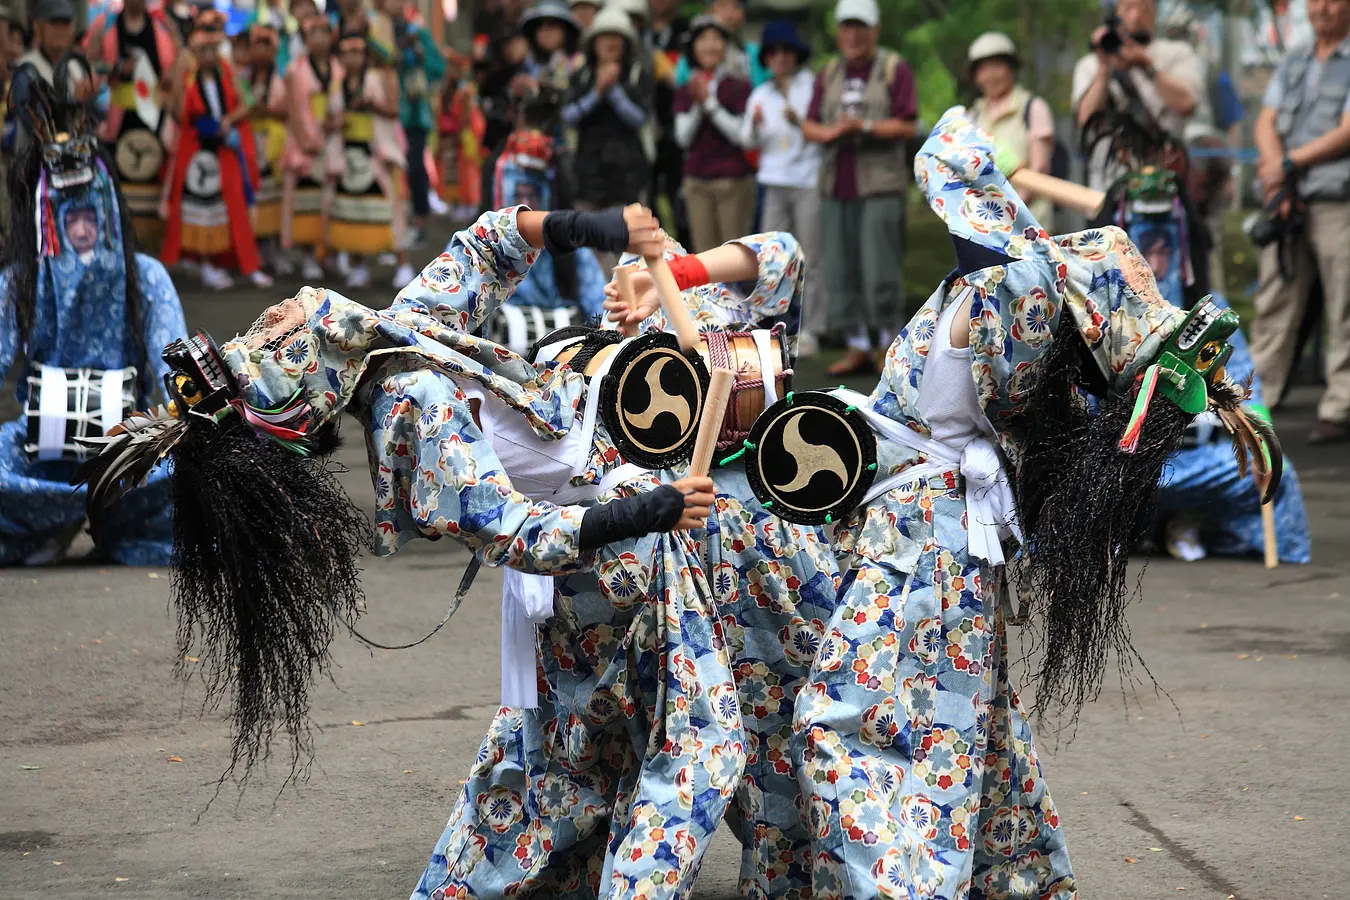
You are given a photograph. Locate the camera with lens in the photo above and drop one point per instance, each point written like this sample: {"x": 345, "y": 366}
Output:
{"x": 1113, "y": 39}
{"x": 1264, "y": 229}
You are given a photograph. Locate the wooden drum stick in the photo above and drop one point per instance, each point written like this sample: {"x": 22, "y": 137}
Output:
{"x": 677, "y": 314}
{"x": 710, "y": 423}
{"x": 623, "y": 277}
{"x": 1061, "y": 192}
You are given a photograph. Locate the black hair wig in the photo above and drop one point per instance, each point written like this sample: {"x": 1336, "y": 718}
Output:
{"x": 265, "y": 572}
{"x": 1085, "y": 506}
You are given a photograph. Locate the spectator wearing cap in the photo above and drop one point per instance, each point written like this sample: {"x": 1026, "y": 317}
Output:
{"x": 1020, "y": 121}
{"x": 719, "y": 182}
{"x": 552, "y": 31}
{"x": 862, "y": 111}
{"x": 789, "y": 165}
{"x": 609, "y": 101}
{"x": 53, "y": 35}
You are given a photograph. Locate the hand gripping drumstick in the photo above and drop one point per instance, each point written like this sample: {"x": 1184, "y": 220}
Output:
{"x": 1057, "y": 190}
{"x": 672, "y": 304}
{"x": 710, "y": 423}
{"x": 623, "y": 277}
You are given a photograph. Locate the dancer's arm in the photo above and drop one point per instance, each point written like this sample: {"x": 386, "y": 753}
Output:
{"x": 763, "y": 274}
{"x": 437, "y": 475}
{"x": 483, "y": 263}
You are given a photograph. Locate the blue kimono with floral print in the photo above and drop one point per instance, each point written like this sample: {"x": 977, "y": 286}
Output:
{"x": 81, "y": 321}
{"x": 616, "y": 781}
{"x": 918, "y": 764}
{"x": 775, "y": 585}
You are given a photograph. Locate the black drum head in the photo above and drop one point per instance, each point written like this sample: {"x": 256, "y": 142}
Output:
{"x": 813, "y": 459}
{"x": 652, "y": 399}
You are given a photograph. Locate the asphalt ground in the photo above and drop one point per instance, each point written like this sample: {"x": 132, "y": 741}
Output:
{"x": 1229, "y": 781}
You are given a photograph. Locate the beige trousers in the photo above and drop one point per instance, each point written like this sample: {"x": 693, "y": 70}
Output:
{"x": 1323, "y": 249}
{"x": 720, "y": 210}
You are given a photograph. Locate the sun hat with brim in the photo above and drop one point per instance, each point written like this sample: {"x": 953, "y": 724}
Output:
{"x": 782, "y": 33}
{"x": 610, "y": 20}
{"x": 991, "y": 45}
{"x": 865, "y": 11}
{"x": 697, "y": 26}
{"x": 549, "y": 10}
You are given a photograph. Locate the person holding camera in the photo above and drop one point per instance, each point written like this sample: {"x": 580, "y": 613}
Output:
{"x": 1128, "y": 65}
{"x": 1303, "y": 138}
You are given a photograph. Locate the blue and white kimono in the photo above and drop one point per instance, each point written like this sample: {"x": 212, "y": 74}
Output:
{"x": 81, "y": 320}
{"x": 775, "y": 583}
{"x": 918, "y": 763}
{"x": 621, "y": 774}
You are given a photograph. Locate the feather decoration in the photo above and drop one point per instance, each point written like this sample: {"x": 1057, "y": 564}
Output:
{"x": 129, "y": 451}
{"x": 1255, "y": 446}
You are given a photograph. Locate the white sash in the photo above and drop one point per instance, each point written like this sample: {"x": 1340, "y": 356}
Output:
{"x": 991, "y": 510}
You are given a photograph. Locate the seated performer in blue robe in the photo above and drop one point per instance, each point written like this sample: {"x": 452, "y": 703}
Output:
{"x": 80, "y": 305}
{"x": 1206, "y": 505}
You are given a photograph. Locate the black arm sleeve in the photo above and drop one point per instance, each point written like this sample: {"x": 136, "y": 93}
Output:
{"x": 566, "y": 230}
{"x": 629, "y": 517}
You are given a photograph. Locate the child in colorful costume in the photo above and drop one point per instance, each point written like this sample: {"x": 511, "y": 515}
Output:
{"x": 462, "y": 127}
{"x": 143, "y": 137}
{"x": 215, "y": 171}
{"x": 312, "y": 153}
{"x": 367, "y": 216}
{"x": 82, "y": 306}
{"x": 266, "y": 93}
{"x": 917, "y": 758}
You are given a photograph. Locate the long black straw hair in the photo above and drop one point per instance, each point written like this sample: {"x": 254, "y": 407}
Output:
{"x": 19, "y": 255}
{"x": 264, "y": 573}
{"x": 1085, "y": 506}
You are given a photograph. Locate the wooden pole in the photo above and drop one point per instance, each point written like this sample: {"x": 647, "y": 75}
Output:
{"x": 1272, "y": 548}
{"x": 1061, "y": 192}
{"x": 623, "y": 277}
{"x": 677, "y": 314}
{"x": 710, "y": 423}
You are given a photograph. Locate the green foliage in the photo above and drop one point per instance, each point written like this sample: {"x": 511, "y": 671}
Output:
{"x": 935, "y": 34}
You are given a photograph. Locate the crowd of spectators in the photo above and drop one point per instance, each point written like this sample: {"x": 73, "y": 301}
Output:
{"x": 723, "y": 129}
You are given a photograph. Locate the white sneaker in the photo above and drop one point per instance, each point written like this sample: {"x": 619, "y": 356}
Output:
{"x": 343, "y": 263}
{"x": 282, "y": 266}
{"x": 311, "y": 271}
{"x": 1183, "y": 541}
{"x": 438, "y": 206}
{"x": 358, "y": 277}
{"x": 260, "y": 279}
{"x": 404, "y": 276}
{"x": 216, "y": 279}
{"x": 386, "y": 260}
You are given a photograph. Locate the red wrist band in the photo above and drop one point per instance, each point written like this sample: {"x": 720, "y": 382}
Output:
{"x": 689, "y": 271}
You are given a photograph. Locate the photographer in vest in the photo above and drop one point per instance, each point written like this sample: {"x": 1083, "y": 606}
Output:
{"x": 1303, "y": 137}
{"x": 1128, "y": 65}
{"x": 862, "y": 110}
{"x": 1017, "y": 118}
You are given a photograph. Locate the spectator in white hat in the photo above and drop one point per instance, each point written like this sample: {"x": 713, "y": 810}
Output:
{"x": 1017, "y": 118}
{"x": 863, "y": 111}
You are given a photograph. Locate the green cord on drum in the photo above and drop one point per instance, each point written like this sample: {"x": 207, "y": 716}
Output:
{"x": 745, "y": 445}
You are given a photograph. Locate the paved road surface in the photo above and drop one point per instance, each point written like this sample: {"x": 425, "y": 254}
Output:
{"x": 1234, "y": 784}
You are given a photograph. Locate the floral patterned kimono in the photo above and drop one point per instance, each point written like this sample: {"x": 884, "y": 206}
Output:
{"x": 615, "y": 783}
{"x": 775, "y": 585}
{"x": 918, "y": 764}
